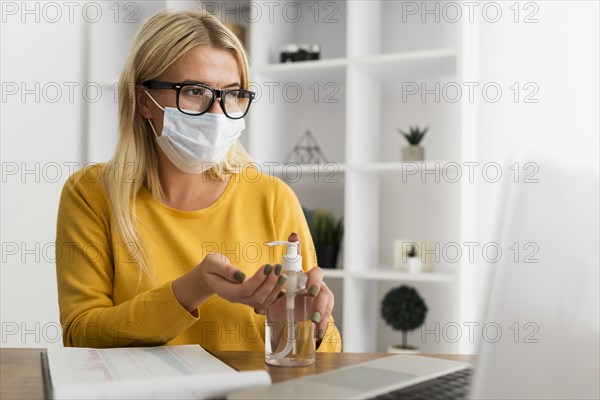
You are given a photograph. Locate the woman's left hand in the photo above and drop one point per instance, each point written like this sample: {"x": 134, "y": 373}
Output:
{"x": 323, "y": 302}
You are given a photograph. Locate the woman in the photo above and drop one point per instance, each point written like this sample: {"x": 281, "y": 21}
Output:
{"x": 165, "y": 243}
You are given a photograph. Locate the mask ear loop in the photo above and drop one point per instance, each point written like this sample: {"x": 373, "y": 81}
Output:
{"x": 148, "y": 119}
{"x": 152, "y": 127}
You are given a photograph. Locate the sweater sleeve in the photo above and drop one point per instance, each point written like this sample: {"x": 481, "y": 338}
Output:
{"x": 85, "y": 273}
{"x": 289, "y": 217}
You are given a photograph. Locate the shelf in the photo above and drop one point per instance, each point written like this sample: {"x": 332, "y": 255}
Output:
{"x": 300, "y": 66}
{"x": 334, "y": 273}
{"x": 331, "y": 167}
{"x": 306, "y": 71}
{"x": 418, "y": 65}
{"x": 390, "y": 274}
{"x": 293, "y": 172}
{"x": 391, "y": 67}
{"x": 400, "y": 166}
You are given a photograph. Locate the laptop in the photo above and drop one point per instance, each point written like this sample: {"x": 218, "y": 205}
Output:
{"x": 550, "y": 292}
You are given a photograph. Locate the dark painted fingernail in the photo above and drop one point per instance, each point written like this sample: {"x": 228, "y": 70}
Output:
{"x": 282, "y": 280}
{"x": 280, "y": 295}
{"x": 267, "y": 269}
{"x": 239, "y": 276}
{"x": 313, "y": 290}
{"x": 277, "y": 269}
{"x": 320, "y": 334}
{"x": 316, "y": 317}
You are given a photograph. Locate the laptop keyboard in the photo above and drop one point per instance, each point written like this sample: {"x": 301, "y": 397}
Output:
{"x": 450, "y": 386}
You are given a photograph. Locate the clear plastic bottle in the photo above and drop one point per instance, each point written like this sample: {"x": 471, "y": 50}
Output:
{"x": 289, "y": 331}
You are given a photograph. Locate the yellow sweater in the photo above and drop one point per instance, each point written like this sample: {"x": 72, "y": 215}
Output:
{"x": 101, "y": 304}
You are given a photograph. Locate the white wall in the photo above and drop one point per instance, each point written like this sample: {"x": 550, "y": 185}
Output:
{"x": 559, "y": 55}
{"x": 40, "y": 133}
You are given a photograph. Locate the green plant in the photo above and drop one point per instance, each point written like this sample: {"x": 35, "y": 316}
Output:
{"x": 325, "y": 229}
{"x": 412, "y": 251}
{"x": 414, "y": 135}
{"x": 404, "y": 310}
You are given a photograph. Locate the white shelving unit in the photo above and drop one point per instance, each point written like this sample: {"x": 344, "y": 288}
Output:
{"x": 356, "y": 129}
{"x": 352, "y": 100}
{"x": 389, "y": 274}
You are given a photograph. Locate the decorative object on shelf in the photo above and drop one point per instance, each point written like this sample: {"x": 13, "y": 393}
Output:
{"x": 306, "y": 151}
{"x": 238, "y": 30}
{"x": 425, "y": 252}
{"x": 327, "y": 233}
{"x": 413, "y": 152}
{"x": 415, "y": 265}
{"x": 299, "y": 52}
{"x": 404, "y": 310}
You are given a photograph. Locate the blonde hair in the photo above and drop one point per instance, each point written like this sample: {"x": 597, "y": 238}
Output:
{"x": 162, "y": 40}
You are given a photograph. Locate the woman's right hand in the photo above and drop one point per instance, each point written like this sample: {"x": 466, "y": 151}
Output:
{"x": 216, "y": 275}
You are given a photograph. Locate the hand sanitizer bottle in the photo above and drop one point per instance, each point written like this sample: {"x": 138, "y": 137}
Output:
{"x": 289, "y": 333}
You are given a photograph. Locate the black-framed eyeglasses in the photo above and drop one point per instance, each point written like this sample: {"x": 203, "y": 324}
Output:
{"x": 196, "y": 98}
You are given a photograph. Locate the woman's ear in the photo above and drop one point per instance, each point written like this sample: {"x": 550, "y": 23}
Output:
{"x": 142, "y": 102}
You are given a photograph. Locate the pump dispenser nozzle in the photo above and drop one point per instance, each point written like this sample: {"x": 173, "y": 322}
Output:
{"x": 291, "y": 261}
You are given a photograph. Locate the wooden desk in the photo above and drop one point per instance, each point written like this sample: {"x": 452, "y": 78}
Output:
{"x": 21, "y": 373}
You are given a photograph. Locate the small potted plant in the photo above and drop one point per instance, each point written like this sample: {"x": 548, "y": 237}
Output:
{"x": 404, "y": 310}
{"x": 414, "y": 263}
{"x": 413, "y": 152}
{"x": 327, "y": 233}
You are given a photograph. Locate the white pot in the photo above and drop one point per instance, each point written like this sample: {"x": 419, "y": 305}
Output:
{"x": 413, "y": 153}
{"x": 415, "y": 265}
{"x": 398, "y": 350}
{"x": 400, "y": 256}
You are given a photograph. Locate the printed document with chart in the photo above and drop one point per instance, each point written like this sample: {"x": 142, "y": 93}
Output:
{"x": 177, "y": 372}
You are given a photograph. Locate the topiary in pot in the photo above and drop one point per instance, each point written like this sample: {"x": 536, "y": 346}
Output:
{"x": 404, "y": 310}
{"x": 414, "y": 152}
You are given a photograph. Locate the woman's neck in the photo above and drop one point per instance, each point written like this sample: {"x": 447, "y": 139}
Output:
{"x": 187, "y": 192}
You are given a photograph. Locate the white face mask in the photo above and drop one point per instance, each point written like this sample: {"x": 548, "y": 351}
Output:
{"x": 196, "y": 143}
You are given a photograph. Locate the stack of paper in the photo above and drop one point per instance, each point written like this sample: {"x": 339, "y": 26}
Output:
{"x": 176, "y": 372}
